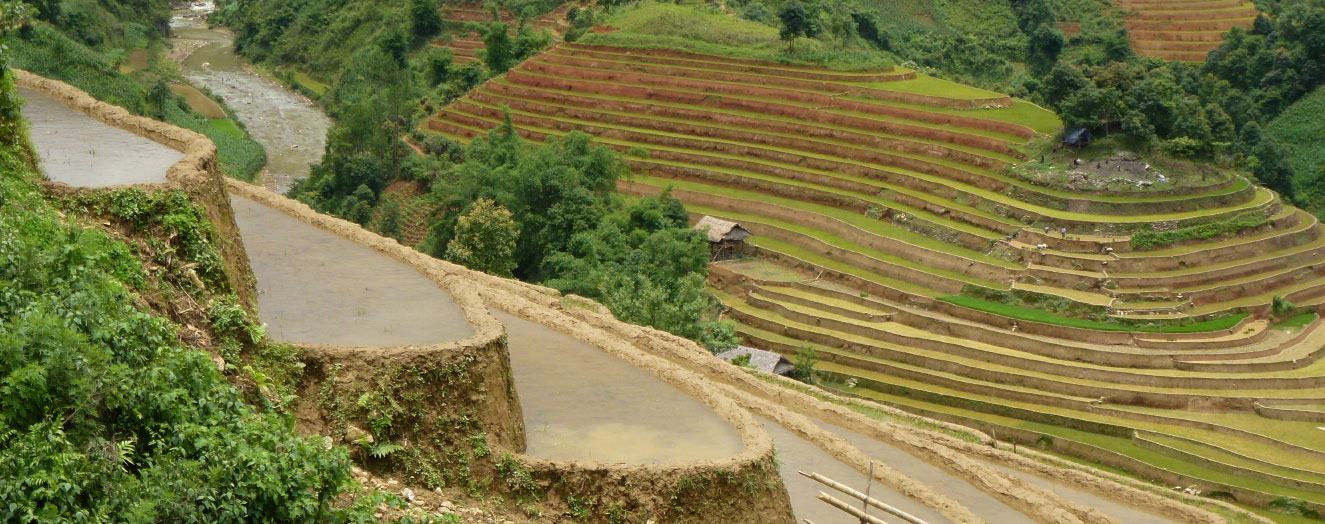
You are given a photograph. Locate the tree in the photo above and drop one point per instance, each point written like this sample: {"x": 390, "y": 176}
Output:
{"x": 437, "y": 66}
{"x": 499, "y": 50}
{"x": 485, "y": 239}
{"x": 796, "y": 22}
{"x": 424, "y": 18}
{"x": 390, "y": 225}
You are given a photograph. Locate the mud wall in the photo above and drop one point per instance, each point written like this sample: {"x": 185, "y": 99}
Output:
{"x": 197, "y": 174}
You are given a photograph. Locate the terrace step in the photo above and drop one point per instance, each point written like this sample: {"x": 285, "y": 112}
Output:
{"x": 1106, "y": 348}
{"x": 651, "y": 136}
{"x": 942, "y": 175}
{"x": 582, "y": 75}
{"x": 773, "y": 172}
{"x": 875, "y": 233}
{"x": 690, "y": 60}
{"x": 1176, "y": 14}
{"x": 886, "y": 347}
{"x": 1080, "y": 428}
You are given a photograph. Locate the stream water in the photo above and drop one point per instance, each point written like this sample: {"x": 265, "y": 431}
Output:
{"x": 290, "y": 127}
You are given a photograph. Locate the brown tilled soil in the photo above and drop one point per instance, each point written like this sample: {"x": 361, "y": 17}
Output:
{"x": 78, "y": 150}
{"x": 583, "y": 404}
{"x": 320, "y": 288}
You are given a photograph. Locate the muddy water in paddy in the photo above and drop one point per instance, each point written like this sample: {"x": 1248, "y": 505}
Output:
{"x": 291, "y": 128}
{"x": 317, "y": 287}
{"x": 797, "y": 454}
{"x": 582, "y": 404}
{"x": 81, "y": 151}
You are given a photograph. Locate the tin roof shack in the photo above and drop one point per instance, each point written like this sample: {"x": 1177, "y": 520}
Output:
{"x": 766, "y": 361}
{"x": 1078, "y": 138}
{"x": 726, "y": 239}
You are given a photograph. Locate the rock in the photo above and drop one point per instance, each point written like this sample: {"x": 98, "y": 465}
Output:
{"x": 408, "y": 494}
{"x": 355, "y": 434}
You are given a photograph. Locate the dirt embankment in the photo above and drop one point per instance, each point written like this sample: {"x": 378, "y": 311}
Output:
{"x": 198, "y": 174}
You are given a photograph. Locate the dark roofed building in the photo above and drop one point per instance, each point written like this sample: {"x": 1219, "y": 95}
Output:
{"x": 766, "y": 361}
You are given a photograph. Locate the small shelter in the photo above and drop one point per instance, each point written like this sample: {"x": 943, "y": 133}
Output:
{"x": 725, "y": 238}
{"x": 1079, "y": 137}
{"x": 766, "y": 361}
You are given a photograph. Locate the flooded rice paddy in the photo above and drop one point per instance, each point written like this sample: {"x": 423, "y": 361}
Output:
{"x": 583, "y": 404}
{"x": 79, "y": 150}
{"x": 320, "y": 288}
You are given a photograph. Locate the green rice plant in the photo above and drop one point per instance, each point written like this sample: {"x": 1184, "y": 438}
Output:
{"x": 1044, "y": 317}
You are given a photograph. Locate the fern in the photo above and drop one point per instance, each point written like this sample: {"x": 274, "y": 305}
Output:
{"x": 383, "y": 450}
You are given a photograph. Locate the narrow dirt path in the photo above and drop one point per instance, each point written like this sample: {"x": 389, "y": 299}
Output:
{"x": 582, "y": 404}
{"x": 79, "y": 150}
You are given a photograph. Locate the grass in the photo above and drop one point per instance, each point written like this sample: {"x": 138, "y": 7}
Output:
{"x": 228, "y": 127}
{"x": 655, "y": 25}
{"x": 1044, "y": 317}
{"x": 1297, "y": 322}
{"x": 928, "y": 85}
{"x": 309, "y": 83}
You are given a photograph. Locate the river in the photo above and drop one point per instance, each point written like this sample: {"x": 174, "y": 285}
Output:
{"x": 292, "y": 128}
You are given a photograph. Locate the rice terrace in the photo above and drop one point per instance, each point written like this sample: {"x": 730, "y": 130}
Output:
{"x": 647, "y": 261}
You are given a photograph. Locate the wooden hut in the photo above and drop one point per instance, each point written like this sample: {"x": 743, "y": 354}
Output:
{"x": 726, "y": 239}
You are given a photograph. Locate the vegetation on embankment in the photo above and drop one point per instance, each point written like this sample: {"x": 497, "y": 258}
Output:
{"x": 102, "y": 389}
{"x": 1299, "y": 128}
{"x": 48, "y": 51}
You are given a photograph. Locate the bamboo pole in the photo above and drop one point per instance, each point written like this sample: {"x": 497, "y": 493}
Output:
{"x": 862, "y": 497}
{"x": 851, "y": 510}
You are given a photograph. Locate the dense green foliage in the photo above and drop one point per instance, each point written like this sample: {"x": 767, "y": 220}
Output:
{"x": 1214, "y": 110}
{"x": 104, "y": 414}
{"x": 1300, "y": 129}
{"x": 640, "y": 260}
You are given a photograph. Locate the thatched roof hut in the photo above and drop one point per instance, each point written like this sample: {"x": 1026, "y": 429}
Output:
{"x": 720, "y": 230}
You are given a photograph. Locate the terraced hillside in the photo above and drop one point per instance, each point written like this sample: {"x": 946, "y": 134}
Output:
{"x": 465, "y": 44}
{"x": 890, "y": 238}
{"x": 1184, "y": 29}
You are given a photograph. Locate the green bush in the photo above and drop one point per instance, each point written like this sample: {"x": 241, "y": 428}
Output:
{"x": 105, "y": 416}
{"x": 1146, "y": 240}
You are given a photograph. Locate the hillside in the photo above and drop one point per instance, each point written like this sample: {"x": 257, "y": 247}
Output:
{"x": 995, "y": 261}
{"x": 923, "y": 240}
